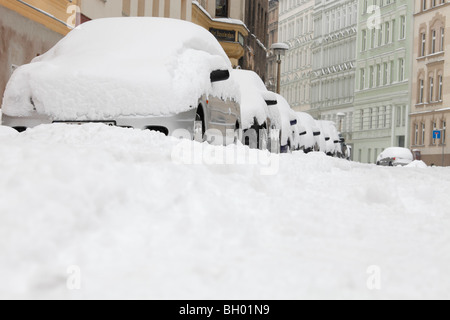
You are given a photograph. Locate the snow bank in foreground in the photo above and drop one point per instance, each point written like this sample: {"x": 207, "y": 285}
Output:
{"x": 7, "y": 131}
{"x": 112, "y": 202}
{"x": 121, "y": 66}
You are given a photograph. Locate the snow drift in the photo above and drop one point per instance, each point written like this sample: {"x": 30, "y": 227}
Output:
{"x": 121, "y": 66}
{"x": 112, "y": 202}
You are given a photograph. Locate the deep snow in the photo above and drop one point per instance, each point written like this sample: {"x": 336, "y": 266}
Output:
{"x": 112, "y": 202}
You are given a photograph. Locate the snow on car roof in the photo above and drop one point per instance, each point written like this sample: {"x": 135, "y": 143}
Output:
{"x": 121, "y": 66}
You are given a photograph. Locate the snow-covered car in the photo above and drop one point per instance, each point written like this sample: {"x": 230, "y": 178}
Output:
{"x": 257, "y": 104}
{"x": 308, "y": 131}
{"x": 394, "y": 157}
{"x": 145, "y": 73}
{"x": 289, "y": 140}
{"x": 327, "y": 142}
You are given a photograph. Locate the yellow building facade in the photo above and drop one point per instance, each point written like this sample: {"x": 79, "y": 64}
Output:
{"x": 29, "y": 28}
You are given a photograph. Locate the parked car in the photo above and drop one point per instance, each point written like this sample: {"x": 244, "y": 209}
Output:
{"x": 395, "y": 156}
{"x": 259, "y": 114}
{"x": 289, "y": 132}
{"x": 146, "y": 73}
{"x": 309, "y": 132}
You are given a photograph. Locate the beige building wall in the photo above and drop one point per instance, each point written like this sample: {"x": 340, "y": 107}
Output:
{"x": 176, "y": 9}
{"x": 431, "y": 81}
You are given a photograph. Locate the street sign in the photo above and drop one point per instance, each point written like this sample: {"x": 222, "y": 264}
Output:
{"x": 436, "y": 134}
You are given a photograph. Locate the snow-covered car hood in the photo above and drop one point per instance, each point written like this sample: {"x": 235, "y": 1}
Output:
{"x": 121, "y": 66}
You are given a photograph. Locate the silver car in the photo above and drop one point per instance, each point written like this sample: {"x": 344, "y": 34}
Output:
{"x": 164, "y": 75}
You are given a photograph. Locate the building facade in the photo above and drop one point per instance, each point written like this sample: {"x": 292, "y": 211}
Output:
{"x": 382, "y": 92}
{"x": 297, "y": 30}
{"x": 223, "y": 18}
{"x": 334, "y": 62}
{"x": 96, "y": 9}
{"x": 430, "y": 80}
{"x": 30, "y": 28}
{"x": 256, "y": 20}
{"x": 272, "y": 37}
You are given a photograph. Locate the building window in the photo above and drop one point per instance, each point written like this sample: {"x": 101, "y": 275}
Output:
{"x": 444, "y": 131}
{"x": 371, "y": 75}
{"x": 421, "y": 88}
{"x": 378, "y": 75}
{"x": 384, "y": 117}
{"x": 423, "y": 45}
{"x": 401, "y": 71}
{"x": 441, "y": 46}
{"x": 361, "y": 120}
{"x": 222, "y": 8}
{"x": 402, "y": 27}
{"x": 370, "y": 118}
{"x": 431, "y": 89}
{"x": 416, "y": 134}
{"x": 388, "y": 32}
{"x": 423, "y": 134}
{"x": 385, "y": 74}
{"x": 440, "y": 88}
{"x": 372, "y": 39}
{"x": 364, "y": 40}
{"x": 434, "y": 129}
{"x": 433, "y": 41}
{"x": 363, "y": 79}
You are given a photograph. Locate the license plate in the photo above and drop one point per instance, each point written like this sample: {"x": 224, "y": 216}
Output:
{"x": 79, "y": 123}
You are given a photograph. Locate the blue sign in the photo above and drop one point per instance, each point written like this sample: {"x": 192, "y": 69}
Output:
{"x": 436, "y": 134}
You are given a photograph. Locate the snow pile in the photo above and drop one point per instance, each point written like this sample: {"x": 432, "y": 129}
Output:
{"x": 7, "y": 131}
{"x": 417, "y": 164}
{"x": 121, "y": 66}
{"x": 112, "y": 202}
{"x": 395, "y": 152}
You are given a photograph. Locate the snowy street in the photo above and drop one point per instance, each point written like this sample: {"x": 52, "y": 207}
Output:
{"x": 135, "y": 223}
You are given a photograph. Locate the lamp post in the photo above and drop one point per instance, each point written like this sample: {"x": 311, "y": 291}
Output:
{"x": 279, "y": 49}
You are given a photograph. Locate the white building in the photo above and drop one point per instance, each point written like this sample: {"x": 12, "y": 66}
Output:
{"x": 334, "y": 62}
{"x": 296, "y": 30}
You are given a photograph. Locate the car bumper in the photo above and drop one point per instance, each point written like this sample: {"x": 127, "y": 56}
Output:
{"x": 171, "y": 123}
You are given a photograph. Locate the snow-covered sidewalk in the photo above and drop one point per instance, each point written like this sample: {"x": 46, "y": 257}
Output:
{"x": 112, "y": 202}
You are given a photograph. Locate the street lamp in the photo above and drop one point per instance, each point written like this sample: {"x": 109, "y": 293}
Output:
{"x": 279, "y": 49}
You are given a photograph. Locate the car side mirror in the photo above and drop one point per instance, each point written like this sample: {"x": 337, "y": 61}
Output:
{"x": 271, "y": 102}
{"x": 219, "y": 75}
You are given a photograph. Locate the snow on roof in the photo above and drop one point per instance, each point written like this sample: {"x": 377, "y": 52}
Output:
{"x": 121, "y": 66}
{"x": 224, "y": 20}
{"x": 282, "y": 46}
